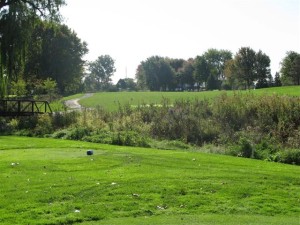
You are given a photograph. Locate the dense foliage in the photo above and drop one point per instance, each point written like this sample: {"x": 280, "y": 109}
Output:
{"x": 290, "y": 69}
{"x": 261, "y": 127}
{"x": 215, "y": 69}
{"x": 56, "y": 53}
{"x": 17, "y": 23}
{"x": 100, "y": 73}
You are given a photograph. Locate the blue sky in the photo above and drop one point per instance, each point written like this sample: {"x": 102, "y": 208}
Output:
{"x": 131, "y": 31}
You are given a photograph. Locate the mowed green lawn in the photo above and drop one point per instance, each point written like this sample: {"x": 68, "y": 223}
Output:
{"x": 47, "y": 181}
{"x": 112, "y": 100}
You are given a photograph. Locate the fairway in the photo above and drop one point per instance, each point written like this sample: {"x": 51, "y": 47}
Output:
{"x": 112, "y": 100}
{"x": 47, "y": 181}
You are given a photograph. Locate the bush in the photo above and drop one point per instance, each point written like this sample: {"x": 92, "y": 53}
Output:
{"x": 129, "y": 138}
{"x": 246, "y": 148}
{"x": 77, "y": 133}
{"x": 61, "y": 134}
{"x": 5, "y": 127}
{"x": 64, "y": 119}
{"x": 43, "y": 126}
{"x": 103, "y": 137}
{"x": 290, "y": 156}
{"x": 123, "y": 138}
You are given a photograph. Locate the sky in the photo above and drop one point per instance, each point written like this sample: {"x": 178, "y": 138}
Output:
{"x": 130, "y": 31}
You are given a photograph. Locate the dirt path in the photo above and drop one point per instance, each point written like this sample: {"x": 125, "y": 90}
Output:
{"x": 74, "y": 103}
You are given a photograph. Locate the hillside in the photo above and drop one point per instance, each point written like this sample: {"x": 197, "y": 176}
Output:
{"x": 112, "y": 100}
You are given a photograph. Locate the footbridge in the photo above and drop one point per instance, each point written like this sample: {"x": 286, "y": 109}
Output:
{"x": 14, "y": 108}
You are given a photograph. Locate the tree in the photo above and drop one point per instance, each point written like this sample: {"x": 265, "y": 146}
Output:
{"x": 101, "y": 70}
{"x": 248, "y": 67}
{"x": 212, "y": 82}
{"x": 230, "y": 72}
{"x": 186, "y": 74}
{"x": 290, "y": 68}
{"x": 202, "y": 71}
{"x": 262, "y": 70}
{"x": 245, "y": 61}
{"x": 158, "y": 74}
{"x": 141, "y": 78}
{"x": 216, "y": 60}
{"x": 17, "y": 19}
{"x": 56, "y": 53}
{"x": 126, "y": 84}
{"x": 277, "y": 80}
{"x": 50, "y": 87}
{"x": 14, "y": 36}
{"x": 211, "y": 66}
{"x": 45, "y": 8}
{"x": 3, "y": 86}
{"x": 177, "y": 65}
{"x": 18, "y": 88}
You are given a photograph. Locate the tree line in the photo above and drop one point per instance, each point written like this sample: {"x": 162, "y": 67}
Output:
{"x": 39, "y": 54}
{"x": 217, "y": 69}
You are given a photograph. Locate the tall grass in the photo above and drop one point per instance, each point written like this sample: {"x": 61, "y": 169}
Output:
{"x": 248, "y": 125}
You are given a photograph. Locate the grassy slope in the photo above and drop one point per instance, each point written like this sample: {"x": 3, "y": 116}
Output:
{"x": 121, "y": 185}
{"x": 111, "y": 100}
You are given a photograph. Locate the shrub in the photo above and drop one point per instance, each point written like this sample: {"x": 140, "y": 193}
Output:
{"x": 104, "y": 137}
{"x": 44, "y": 125}
{"x": 246, "y": 148}
{"x": 5, "y": 127}
{"x": 64, "y": 119}
{"x": 77, "y": 133}
{"x": 130, "y": 138}
{"x": 290, "y": 156}
{"x": 61, "y": 134}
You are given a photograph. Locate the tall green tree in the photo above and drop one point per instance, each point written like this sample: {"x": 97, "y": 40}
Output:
{"x": 158, "y": 74}
{"x": 277, "y": 80}
{"x": 202, "y": 70}
{"x": 50, "y": 87}
{"x": 262, "y": 70}
{"x": 211, "y": 66}
{"x": 17, "y": 19}
{"x": 216, "y": 60}
{"x": 177, "y": 65}
{"x": 15, "y": 29}
{"x": 290, "y": 68}
{"x": 101, "y": 70}
{"x": 140, "y": 77}
{"x": 18, "y": 88}
{"x": 245, "y": 61}
{"x": 186, "y": 74}
{"x": 126, "y": 84}
{"x": 230, "y": 72}
{"x": 45, "y": 8}
{"x": 56, "y": 53}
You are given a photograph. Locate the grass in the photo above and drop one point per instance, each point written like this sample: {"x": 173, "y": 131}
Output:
{"x": 112, "y": 100}
{"x": 47, "y": 181}
{"x": 58, "y": 105}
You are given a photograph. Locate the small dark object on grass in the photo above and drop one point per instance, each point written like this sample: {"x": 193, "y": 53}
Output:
{"x": 90, "y": 152}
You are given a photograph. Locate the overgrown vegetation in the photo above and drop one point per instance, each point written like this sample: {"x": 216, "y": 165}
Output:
{"x": 245, "y": 125}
